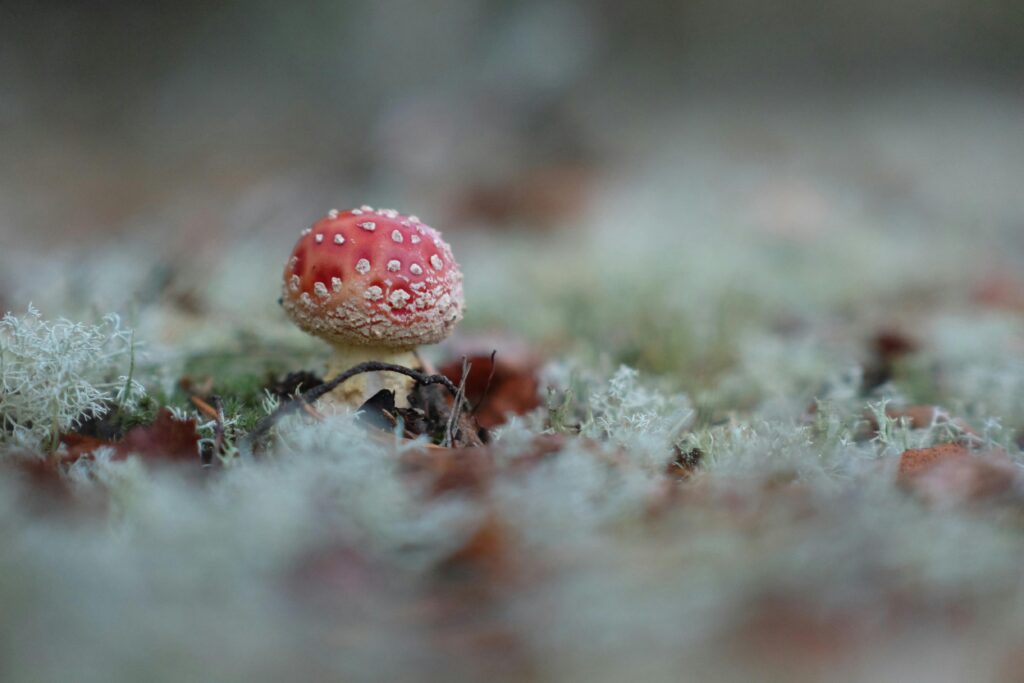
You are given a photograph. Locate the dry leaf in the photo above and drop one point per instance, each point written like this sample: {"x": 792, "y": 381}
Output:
{"x": 509, "y": 385}
{"x": 166, "y": 439}
{"x": 916, "y": 461}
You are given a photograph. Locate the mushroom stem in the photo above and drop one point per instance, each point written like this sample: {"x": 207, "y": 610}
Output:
{"x": 355, "y": 391}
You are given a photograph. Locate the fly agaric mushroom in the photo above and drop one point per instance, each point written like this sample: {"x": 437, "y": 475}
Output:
{"x": 375, "y": 285}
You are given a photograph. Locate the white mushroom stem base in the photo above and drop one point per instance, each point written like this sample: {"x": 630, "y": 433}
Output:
{"x": 356, "y": 390}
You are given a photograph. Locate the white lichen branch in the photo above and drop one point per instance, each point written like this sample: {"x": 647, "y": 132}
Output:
{"x": 54, "y": 374}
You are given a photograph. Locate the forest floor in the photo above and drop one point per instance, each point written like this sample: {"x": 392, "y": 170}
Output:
{"x": 756, "y": 410}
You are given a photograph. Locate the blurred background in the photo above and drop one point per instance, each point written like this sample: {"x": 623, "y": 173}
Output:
{"x": 190, "y": 117}
{"x": 814, "y": 157}
{"x": 732, "y": 165}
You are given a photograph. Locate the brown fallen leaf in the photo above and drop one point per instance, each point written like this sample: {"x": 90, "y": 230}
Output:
{"x": 967, "y": 480}
{"x": 472, "y": 470}
{"x": 487, "y": 552}
{"x": 469, "y": 596}
{"x": 43, "y": 478}
{"x": 916, "y": 461}
{"x": 80, "y": 446}
{"x": 1001, "y": 290}
{"x": 496, "y": 388}
{"x": 45, "y": 489}
{"x": 165, "y": 439}
{"x": 786, "y": 634}
{"x": 462, "y": 470}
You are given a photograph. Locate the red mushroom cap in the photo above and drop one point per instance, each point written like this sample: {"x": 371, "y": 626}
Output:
{"x": 374, "y": 278}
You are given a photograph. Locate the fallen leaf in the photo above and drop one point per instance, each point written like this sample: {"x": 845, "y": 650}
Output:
{"x": 794, "y": 636}
{"x": 508, "y": 385}
{"x": 950, "y": 474}
{"x": 487, "y": 552}
{"x": 80, "y": 446}
{"x": 472, "y": 470}
{"x": 1000, "y": 290}
{"x": 916, "y": 461}
{"x": 43, "y": 478}
{"x": 463, "y": 470}
{"x": 165, "y": 439}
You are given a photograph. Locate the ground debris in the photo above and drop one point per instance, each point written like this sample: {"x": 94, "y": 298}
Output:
{"x": 166, "y": 439}
{"x": 498, "y": 384}
{"x": 294, "y": 383}
{"x": 887, "y": 349}
{"x": 685, "y": 462}
{"x": 951, "y": 474}
{"x": 459, "y": 432}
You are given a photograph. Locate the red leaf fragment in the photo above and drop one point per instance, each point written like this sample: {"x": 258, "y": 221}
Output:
{"x": 508, "y": 385}
{"x": 487, "y": 552}
{"x": 463, "y": 470}
{"x": 800, "y": 639}
{"x": 916, "y": 461}
{"x": 43, "y": 478}
{"x": 1000, "y": 290}
{"x": 165, "y": 439}
{"x": 80, "y": 446}
{"x": 950, "y": 474}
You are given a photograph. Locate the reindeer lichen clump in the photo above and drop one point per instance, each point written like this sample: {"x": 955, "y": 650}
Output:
{"x": 55, "y": 374}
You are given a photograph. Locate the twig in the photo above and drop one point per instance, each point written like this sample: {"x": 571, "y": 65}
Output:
{"x": 126, "y": 392}
{"x": 487, "y": 386}
{"x": 204, "y": 407}
{"x": 218, "y": 434}
{"x": 376, "y": 366}
{"x": 312, "y": 412}
{"x": 311, "y": 395}
{"x": 460, "y": 397}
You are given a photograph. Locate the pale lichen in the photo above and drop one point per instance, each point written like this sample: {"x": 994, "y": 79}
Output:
{"x": 54, "y": 374}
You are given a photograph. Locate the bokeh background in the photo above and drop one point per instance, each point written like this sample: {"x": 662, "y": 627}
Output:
{"x": 729, "y": 164}
{"x": 156, "y": 152}
{"x": 119, "y": 118}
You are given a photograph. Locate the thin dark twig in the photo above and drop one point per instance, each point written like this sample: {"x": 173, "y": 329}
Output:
{"x": 376, "y": 366}
{"x": 487, "y": 386}
{"x": 311, "y": 395}
{"x": 460, "y": 397}
{"x": 218, "y": 443}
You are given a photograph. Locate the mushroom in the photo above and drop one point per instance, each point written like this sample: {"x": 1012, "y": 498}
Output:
{"x": 375, "y": 285}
